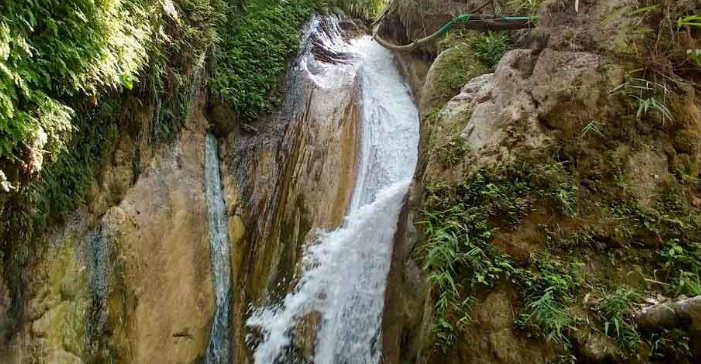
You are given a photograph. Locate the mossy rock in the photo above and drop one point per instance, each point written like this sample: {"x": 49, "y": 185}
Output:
{"x": 453, "y": 68}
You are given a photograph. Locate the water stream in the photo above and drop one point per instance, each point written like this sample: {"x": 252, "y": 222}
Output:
{"x": 345, "y": 271}
{"x": 219, "y": 337}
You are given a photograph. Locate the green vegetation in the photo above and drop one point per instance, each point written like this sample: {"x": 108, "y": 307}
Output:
{"x": 671, "y": 345}
{"x": 616, "y": 313}
{"x": 102, "y": 55}
{"x": 75, "y": 75}
{"x": 491, "y": 47}
{"x": 463, "y": 221}
{"x": 663, "y": 56}
{"x": 257, "y": 41}
{"x": 456, "y": 65}
{"x": 358, "y": 8}
{"x": 526, "y": 6}
{"x": 650, "y": 97}
{"x": 488, "y": 48}
{"x": 548, "y": 291}
{"x": 53, "y": 50}
{"x": 176, "y": 71}
{"x": 681, "y": 264}
{"x": 457, "y": 254}
{"x": 452, "y": 151}
{"x": 459, "y": 223}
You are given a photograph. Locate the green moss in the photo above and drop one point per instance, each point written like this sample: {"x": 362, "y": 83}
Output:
{"x": 453, "y": 68}
{"x": 292, "y": 234}
{"x": 489, "y": 48}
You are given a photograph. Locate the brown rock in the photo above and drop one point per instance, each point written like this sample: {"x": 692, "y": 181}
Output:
{"x": 160, "y": 242}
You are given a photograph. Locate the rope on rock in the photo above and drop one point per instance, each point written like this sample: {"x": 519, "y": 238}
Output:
{"x": 469, "y": 21}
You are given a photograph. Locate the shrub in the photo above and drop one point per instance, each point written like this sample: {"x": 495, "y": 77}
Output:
{"x": 258, "y": 38}
{"x": 53, "y": 50}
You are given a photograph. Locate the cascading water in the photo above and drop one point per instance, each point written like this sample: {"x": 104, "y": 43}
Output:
{"x": 344, "y": 273}
{"x": 219, "y": 337}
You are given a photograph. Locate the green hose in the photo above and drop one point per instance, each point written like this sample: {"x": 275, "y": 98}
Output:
{"x": 448, "y": 25}
{"x": 443, "y": 30}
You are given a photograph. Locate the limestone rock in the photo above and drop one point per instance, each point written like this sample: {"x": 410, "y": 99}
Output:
{"x": 161, "y": 249}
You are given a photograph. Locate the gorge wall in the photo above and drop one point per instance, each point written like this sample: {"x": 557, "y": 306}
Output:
{"x": 553, "y": 216}
{"x": 129, "y": 277}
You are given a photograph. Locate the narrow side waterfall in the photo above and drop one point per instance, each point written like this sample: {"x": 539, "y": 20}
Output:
{"x": 345, "y": 271}
{"x": 219, "y": 337}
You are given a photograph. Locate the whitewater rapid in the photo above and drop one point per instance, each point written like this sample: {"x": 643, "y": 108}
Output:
{"x": 345, "y": 271}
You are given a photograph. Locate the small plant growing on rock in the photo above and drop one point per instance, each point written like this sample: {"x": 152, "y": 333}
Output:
{"x": 649, "y": 96}
{"x": 452, "y": 152}
{"x": 491, "y": 47}
{"x": 547, "y": 294}
{"x": 682, "y": 266}
{"x": 616, "y": 313}
{"x": 670, "y": 344}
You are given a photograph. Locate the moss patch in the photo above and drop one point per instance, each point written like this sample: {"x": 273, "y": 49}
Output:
{"x": 453, "y": 68}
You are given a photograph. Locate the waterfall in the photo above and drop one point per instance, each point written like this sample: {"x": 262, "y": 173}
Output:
{"x": 219, "y": 337}
{"x": 345, "y": 271}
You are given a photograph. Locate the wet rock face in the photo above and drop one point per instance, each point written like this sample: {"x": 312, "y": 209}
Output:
{"x": 162, "y": 301}
{"x": 129, "y": 277}
{"x": 284, "y": 177}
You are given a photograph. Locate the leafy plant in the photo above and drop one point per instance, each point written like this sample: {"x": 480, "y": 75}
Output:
{"x": 52, "y": 50}
{"x": 616, "y": 311}
{"x": 457, "y": 255}
{"x": 670, "y": 344}
{"x": 452, "y": 152}
{"x": 458, "y": 64}
{"x": 651, "y": 97}
{"x": 257, "y": 39}
{"x": 547, "y": 293}
{"x": 689, "y": 21}
{"x": 593, "y": 127}
{"x": 491, "y": 47}
{"x": 65, "y": 69}
{"x": 682, "y": 266}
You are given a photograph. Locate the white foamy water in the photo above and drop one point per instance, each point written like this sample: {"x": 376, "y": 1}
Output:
{"x": 345, "y": 271}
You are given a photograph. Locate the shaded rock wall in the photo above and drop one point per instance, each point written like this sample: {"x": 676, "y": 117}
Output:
{"x": 128, "y": 277}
